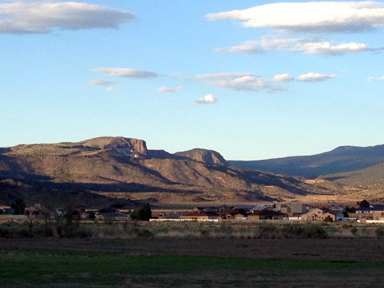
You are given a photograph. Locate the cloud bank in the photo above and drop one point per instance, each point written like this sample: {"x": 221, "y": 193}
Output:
{"x": 207, "y": 99}
{"x": 310, "y": 17}
{"x": 125, "y": 72}
{"x": 308, "y": 46}
{"x": 41, "y": 17}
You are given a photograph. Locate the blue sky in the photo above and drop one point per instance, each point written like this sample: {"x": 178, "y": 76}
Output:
{"x": 249, "y": 79}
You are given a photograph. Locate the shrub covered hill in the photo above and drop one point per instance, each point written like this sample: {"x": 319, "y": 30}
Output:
{"x": 341, "y": 159}
{"x": 124, "y": 168}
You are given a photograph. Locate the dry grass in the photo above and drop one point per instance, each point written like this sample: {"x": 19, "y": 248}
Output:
{"x": 193, "y": 230}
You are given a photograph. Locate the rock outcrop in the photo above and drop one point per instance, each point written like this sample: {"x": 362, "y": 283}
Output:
{"x": 209, "y": 157}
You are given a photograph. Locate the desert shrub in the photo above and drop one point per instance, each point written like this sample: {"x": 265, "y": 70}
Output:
{"x": 223, "y": 231}
{"x": 331, "y": 230}
{"x": 354, "y": 231}
{"x": 75, "y": 231}
{"x": 205, "y": 231}
{"x": 379, "y": 232}
{"x": 14, "y": 230}
{"x": 145, "y": 233}
{"x": 267, "y": 231}
{"x": 245, "y": 232}
{"x": 292, "y": 230}
{"x": 267, "y": 227}
{"x": 313, "y": 230}
{"x": 346, "y": 226}
{"x": 38, "y": 231}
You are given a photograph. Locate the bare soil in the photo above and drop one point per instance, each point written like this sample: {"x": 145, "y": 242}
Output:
{"x": 358, "y": 249}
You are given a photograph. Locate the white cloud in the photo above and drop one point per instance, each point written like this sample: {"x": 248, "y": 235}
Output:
{"x": 101, "y": 82}
{"x": 110, "y": 89}
{"x": 330, "y": 17}
{"x": 41, "y": 17}
{"x": 283, "y": 77}
{"x": 221, "y": 75}
{"x": 370, "y": 79}
{"x": 308, "y": 46}
{"x": 170, "y": 89}
{"x": 125, "y": 72}
{"x": 239, "y": 82}
{"x": 249, "y": 47}
{"x": 207, "y": 99}
{"x": 315, "y": 77}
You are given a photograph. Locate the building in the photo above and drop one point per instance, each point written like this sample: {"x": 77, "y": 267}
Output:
{"x": 200, "y": 216}
{"x": 267, "y": 215}
{"x": 317, "y": 215}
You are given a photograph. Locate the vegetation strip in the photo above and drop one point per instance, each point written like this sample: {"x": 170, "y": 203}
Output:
{"x": 43, "y": 267}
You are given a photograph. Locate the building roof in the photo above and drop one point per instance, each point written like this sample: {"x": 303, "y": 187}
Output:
{"x": 260, "y": 207}
{"x": 174, "y": 215}
{"x": 370, "y": 209}
{"x": 268, "y": 213}
{"x": 193, "y": 214}
{"x": 244, "y": 207}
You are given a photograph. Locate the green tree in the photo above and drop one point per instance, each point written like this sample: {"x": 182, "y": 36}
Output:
{"x": 18, "y": 206}
{"x": 364, "y": 203}
{"x": 143, "y": 214}
{"x": 328, "y": 219}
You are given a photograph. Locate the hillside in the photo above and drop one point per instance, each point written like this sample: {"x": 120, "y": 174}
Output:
{"x": 341, "y": 159}
{"x": 125, "y": 168}
{"x": 371, "y": 177}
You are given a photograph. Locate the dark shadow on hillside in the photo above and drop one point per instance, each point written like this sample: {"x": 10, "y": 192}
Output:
{"x": 118, "y": 187}
{"x": 161, "y": 154}
{"x": 258, "y": 177}
{"x": 4, "y": 150}
{"x": 13, "y": 170}
{"x": 33, "y": 195}
{"x": 23, "y": 177}
{"x": 46, "y": 182}
{"x": 128, "y": 161}
{"x": 334, "y": 178}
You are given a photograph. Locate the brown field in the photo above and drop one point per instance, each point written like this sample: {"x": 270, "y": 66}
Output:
{"x": 357, "y": 249}
{"x": 346, "y": 255}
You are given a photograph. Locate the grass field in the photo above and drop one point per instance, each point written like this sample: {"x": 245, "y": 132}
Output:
{"x": 237, "y": 254}
{"x": 21, "y": 267}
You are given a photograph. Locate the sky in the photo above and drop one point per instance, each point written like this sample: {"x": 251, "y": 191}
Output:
{"x": 249, "y": 79}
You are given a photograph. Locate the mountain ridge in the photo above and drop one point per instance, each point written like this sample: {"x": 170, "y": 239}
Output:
{"x": 340, "y": 159}
{"x": 126, "y": 167}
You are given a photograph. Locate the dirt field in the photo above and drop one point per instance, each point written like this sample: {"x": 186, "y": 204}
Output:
{"x": 223, "y": 263}
{"x": 358, "y": 249}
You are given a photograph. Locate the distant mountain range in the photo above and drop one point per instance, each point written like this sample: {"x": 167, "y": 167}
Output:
{"x": 118, "y": 167}
{"x": 341, "y": 159}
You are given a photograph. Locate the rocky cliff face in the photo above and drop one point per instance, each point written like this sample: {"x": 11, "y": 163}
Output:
{"x": 125, "y": 146}
{"x": 128, "y": 147}
{"x": 206, "y": 156}
{"x": 136, "y": 145}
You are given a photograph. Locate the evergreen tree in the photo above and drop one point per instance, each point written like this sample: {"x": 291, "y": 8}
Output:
{"x": 18, "y": 206}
